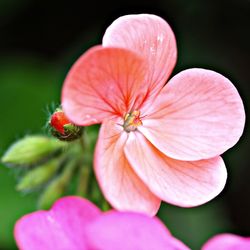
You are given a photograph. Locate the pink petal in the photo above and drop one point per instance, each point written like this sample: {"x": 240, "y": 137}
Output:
{"x": 120, "y": 185}
{"x": 199, "y": 114}
{"x": 227, "y": 242}
{"x": 149, "y": 36}
{"x": 60, "y": 228}
{"x": 103, "y": 82}
{"x": 181, "y": 183}
{"x": 130, "y": 231}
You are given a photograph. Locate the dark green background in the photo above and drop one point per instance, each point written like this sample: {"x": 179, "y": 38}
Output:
{"x": 41, "y": 39}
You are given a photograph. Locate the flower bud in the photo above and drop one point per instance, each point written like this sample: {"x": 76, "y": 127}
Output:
{"x": 62, "y": 128}
{"x": 58, "y": 120}
{"x": 57, "y": 187}
{"x": 31, "y": 150}
{"x": 53, "y": 191}
{"x": 39, "y": 175}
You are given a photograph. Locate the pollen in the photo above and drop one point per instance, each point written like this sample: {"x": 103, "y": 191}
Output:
{"x": 132, "y": 121}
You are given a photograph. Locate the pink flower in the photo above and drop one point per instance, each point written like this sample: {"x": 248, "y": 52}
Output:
{"x": 157, "y": 141}
{"x": 227, "y": 242}
{"x": 74, "y": 223}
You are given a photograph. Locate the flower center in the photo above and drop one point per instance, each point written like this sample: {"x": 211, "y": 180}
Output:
{"x": 132, "y": 121}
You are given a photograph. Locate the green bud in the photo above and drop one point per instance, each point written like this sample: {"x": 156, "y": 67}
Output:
{"x": 58, "y": 186}
{"x": 71, "y": 133}
{"x": 31, "y": 150}
{"x": 53, "y": 191}
{"x": 39, "y": 176}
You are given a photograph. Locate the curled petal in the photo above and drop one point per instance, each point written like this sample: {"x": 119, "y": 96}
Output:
{"x": 129, "y": 231}
{"x": 182, "y": 183}
{"x": 198, "y": 115}
{"x": 149, "y": 36}
{"x": 103, "y": 82}
{"x": 60, "y": 228}
{"x": 119, "y": 183}
{"x": 227, "y": 242}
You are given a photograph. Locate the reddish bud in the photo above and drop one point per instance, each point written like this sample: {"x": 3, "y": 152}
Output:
{"x": 58, "y": 120}
{"x": 62, "y": 128}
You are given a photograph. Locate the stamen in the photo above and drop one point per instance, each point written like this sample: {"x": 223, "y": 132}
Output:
{"x": 132, "y": 121}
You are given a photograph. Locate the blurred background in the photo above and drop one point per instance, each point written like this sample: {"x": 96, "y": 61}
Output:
{"x": 39, "y": 42}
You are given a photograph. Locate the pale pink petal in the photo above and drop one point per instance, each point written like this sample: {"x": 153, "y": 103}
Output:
{"x": 182, "y": 183}
{"x": 102, "y": 83}
{"x": 60, "y": 228}
{"x": 149, "y": 36}
{"x": 199, "y": 114}
{"x": 227, "y": 242}
{"x": 119, "y": 184}
{"x": 130, "y": 231}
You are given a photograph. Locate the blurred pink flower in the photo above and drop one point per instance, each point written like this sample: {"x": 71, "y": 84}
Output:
{"x": 157, "y": 142}
{"x": 227, "y": 242}
{"x": 74, "y": 223}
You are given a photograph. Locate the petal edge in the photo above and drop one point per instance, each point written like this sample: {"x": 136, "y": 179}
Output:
{"x": 182, "y": 183}
{"x": 119, "y": 183}
{"x": 198, "y": 115}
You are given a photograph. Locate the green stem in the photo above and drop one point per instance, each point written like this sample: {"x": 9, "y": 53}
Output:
{"x": 69, "y": 170}
{"x": 85, "y": 166}
{"x": 83, "y": 181}
{"x": 105, "y": 205}
{"x": 82, "y": 140}
{"x": 87, "y": 184}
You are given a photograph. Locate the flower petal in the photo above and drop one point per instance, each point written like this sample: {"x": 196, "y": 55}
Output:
{"x": 102, "y": 83}
{"x": 199, "y": 114}
{"x": 129, "y": 231}
{"x": 120, "y": 185}
{"x": 227, "y": 242}
{"x": 181, "y": 183}
{"x": 149, "y": 36}
{"x": 60, "y": 228}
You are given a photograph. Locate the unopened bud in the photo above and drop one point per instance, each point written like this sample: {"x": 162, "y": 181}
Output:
{"x": 31, "y": 150}
{"x": 58, "y": 186}
{"x": 62, "y": 128}
{"x": 39, "y": 175}
{"x": 53, "y": 191}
